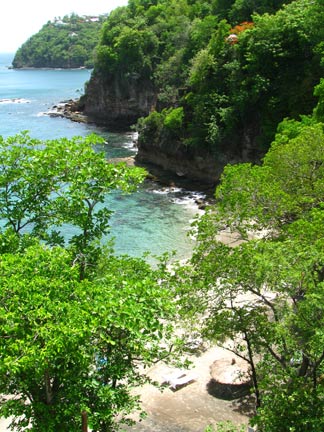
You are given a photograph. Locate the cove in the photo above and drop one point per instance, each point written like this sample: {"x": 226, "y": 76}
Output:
{"x": 154, "y": 219}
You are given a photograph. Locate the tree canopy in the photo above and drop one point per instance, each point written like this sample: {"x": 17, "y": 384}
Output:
{"x": 71, "y": 345}
{"x": 61, "y": 43}
{"x": 77, "y": 324}
{"x": 265, "y": 294}
{"x": 232, "y": 95}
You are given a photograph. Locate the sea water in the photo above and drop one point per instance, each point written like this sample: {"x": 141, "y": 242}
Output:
{"x": 153, "y": 219}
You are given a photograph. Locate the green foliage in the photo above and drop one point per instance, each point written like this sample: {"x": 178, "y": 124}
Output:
{"x": 243, "y": 10}
{"x": 269, "y": 74}
{"x": 161, "y": 39}
{"x": 106, "y": 58}
{"x": 149, "y": 127}
{"x": 66, "y": 43}
{"x": 319, "y": 109}
{"x": 174, "y": 119}
{"x": 289, "y": 183}
{"x": 225, "y": 427}
{"x": 233, "y": 95}
{"x": 69, "y": 345}
{"x": 202, "y": 66}
{"x": 77, "y": 324}
{"x": 44, "y": 184}
{"x": 265, "y": 294}
{"x": 201, "y": 30}
{"x": 168, "y": 123}
{"x": 131, "y": 51}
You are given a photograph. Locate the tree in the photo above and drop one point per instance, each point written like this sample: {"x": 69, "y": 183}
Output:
{"x": 266, "y": 293}
{"x": 86, "y": 179}
{"x": 69, "y": 346}
{"x": 77, "y": 324}
{"x": 61, "y": 43}
{"x": 44, "y": 184}
{"x": 25, "y": 183}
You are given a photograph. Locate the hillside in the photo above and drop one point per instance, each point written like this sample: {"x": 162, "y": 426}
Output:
{"x": 209, "y": 81}
{"x": 61, "y": 43}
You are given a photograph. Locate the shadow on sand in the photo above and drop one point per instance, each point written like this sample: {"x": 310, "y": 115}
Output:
{"x": 240, "y": 394}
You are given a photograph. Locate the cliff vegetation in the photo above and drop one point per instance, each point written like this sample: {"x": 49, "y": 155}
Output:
{"x": 209, "y": 80}
{"x": 62, "y": 43}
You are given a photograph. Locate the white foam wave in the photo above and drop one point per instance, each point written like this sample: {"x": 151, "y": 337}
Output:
{"x": 191, "y": 200}
{"x": 190, "y": 197}
{"x": 133, "y": 135}
{"x": 179, "y": 196}
{"x": 130, "y": 144}
{"x": 186, "y": 202}
{"x": 14, "y": 101}
{"x": 167, "y": 190}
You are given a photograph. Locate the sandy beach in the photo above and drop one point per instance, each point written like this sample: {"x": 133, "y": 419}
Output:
{"x": 192, "y": 407}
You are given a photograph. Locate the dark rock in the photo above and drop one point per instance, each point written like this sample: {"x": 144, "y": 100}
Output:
{"x": 119, "y": 101}
{"x": 69, "y": 109}
{"x": 186, "y": 163}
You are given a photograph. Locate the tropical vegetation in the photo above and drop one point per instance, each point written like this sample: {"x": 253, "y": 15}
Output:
{"x": 228, "y": 94}
{"x": 77, "y": 323}
{"x": 265, "y": 294}
{"x": 237, "y": 77}
{"x": 61, "y": 43}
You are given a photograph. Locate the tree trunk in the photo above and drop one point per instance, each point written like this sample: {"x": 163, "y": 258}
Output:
{"x": 48, "y": 388}
{"x": 84, "y": 417}
{"x": 253, "y": 370}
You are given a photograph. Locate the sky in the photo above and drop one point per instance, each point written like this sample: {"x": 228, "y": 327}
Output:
{"x": 20, "y": 19}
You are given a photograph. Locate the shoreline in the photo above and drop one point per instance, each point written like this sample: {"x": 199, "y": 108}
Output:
{"x": 69, "y": 109}
{"x": 27, "y": 68}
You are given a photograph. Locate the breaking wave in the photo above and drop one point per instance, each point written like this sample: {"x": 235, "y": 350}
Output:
{"x": 14, "y": 101}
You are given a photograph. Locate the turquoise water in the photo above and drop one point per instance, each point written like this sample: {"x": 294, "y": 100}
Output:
{"x": 153, "y": 219}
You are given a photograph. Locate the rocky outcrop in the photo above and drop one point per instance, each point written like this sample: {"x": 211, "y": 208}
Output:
{"x": 199, "y": 163}
{"x": 117, "y": 102}
{"x": 185, "y": 162}
{"x": 118, "y": 107}
{"x": 68, "y": 109}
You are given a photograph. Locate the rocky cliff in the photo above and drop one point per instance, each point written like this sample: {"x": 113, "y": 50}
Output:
{"x": 184, "y": 162}
{"x": 117, "y": 101}
{"x": 199, "y": 163}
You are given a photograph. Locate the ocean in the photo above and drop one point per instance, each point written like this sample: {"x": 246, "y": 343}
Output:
{"x": 154, "y": 219}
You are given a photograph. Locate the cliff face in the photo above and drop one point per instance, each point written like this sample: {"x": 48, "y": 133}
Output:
{"x": 118, "y": 102}
{"x": 198, "y": 163}
{"x": 185, "y": 163}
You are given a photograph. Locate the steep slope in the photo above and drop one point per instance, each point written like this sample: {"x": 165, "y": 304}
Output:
{"x": 206, "y": 97}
